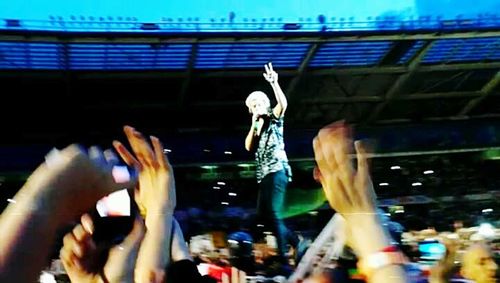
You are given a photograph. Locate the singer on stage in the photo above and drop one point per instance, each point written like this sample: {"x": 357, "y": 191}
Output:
{"x": 273, "y": 171}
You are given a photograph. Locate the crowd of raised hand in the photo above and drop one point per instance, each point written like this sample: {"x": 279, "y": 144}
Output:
{"x": 72, "y": 180}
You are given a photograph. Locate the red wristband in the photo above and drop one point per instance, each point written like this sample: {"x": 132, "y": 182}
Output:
{"x": 390, "y": 249}
{"x": 389, "y": 255}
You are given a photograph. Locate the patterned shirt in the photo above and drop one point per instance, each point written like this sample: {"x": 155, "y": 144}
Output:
{"x": 270, "y": 154}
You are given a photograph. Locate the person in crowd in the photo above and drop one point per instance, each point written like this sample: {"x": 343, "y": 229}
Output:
{"x": 479, "y": 265}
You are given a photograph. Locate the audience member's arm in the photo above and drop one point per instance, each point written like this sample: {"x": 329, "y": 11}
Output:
{"x": 155, "y": 196}
{"x": 444, "y": 269}
{"x": 180, "y": 250}
{"x": 350, "y": 192}
{"x": 58, "y": 191}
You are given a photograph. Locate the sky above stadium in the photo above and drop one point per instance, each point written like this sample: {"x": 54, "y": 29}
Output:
{"x": 289, "y": 11}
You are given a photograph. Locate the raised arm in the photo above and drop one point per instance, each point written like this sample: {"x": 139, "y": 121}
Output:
{"x": 445, "y": 268}
{"x": 156, "y": 198}
{"x": 272, "y": 77}
{"x": 350, "y": 192}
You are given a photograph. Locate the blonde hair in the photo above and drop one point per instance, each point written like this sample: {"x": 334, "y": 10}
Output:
{"x": 258, "y": 95}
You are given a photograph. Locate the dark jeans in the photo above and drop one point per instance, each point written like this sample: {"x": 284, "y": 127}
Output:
{"x": 269, "y": 207}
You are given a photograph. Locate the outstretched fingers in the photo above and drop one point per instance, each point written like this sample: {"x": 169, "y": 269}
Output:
{"x": 361, "y": 156}
{"x": 161, "y": 158}
{"x": 270, "y": 65}
{"x": 140, "y": 146}
{"x": 127, "y": 157}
